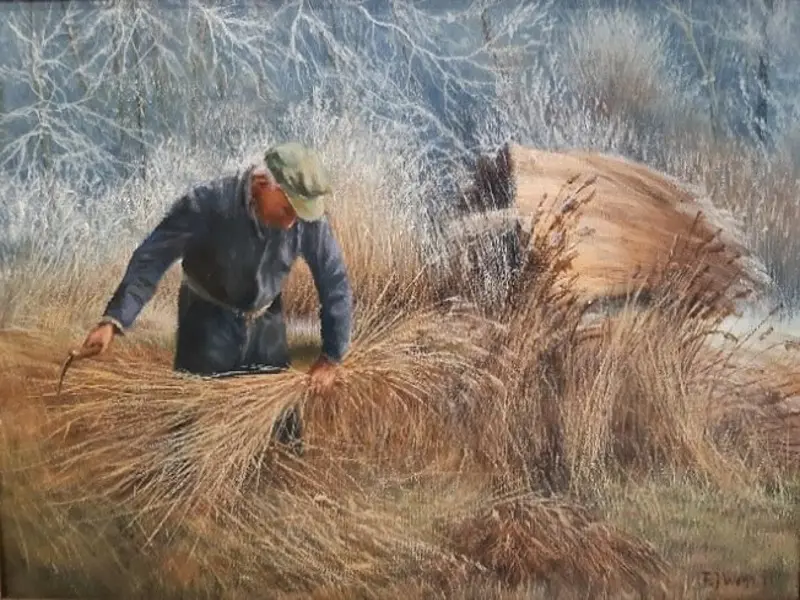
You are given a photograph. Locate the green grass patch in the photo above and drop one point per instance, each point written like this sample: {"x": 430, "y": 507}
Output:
{"x": 725, "y": 543}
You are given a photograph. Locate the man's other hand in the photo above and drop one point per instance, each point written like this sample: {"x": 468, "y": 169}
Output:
{"x": 97, "y": 342}
{"x": 323, "y": 374}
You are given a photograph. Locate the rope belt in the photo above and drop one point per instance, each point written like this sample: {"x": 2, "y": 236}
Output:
{"x": 249, "y": 316}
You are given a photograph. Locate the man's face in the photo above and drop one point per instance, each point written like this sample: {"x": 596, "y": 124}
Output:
{"x": 272, "y": 205}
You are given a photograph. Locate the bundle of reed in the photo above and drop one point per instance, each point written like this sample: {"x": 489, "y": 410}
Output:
{"x": 129, "y": 427}
{"x": 640, "y": 226}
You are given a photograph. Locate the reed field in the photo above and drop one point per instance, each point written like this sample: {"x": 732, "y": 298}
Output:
{"x": 573, "y": 371}
{"x": 465, "y": 450}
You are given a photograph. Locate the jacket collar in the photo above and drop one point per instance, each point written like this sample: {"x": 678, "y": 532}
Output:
{"x": 244, "y": 197}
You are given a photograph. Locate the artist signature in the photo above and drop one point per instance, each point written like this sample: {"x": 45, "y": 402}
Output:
{"x": 718, "y": 579}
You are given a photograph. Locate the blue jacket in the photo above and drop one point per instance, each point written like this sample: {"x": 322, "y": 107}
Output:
{"x": 237, "y": 259}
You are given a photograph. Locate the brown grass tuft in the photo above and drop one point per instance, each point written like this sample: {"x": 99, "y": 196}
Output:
{"x": 530, "y": 539}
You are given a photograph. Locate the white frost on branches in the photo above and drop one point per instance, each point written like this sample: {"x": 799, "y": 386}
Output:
{"x": 113, "y": 106}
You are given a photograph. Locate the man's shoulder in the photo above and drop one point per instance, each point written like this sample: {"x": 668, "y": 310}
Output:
{"x": 311, "y": 232}
{"x": 211, "y": 185}
{"x": 321, "y": 225}
{"x": 319, "y": 236}
{"x": 217, "y": 193}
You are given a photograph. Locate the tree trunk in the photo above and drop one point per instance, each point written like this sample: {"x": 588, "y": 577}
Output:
{"x": 761, "y": 112}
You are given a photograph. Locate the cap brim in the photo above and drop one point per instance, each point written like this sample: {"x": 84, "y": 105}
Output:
{"x": 307, "y": 210}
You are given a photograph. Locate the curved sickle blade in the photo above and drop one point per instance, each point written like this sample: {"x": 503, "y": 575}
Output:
{"x": 64, "y": 368}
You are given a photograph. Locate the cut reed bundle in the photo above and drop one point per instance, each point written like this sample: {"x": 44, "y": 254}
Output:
{"x": 128, "y": 427}
{"x": 138, "y": 431}
{"x": 640, "y": 225}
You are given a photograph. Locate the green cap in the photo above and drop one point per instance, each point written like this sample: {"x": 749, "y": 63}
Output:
{"x": 300, "y": 173}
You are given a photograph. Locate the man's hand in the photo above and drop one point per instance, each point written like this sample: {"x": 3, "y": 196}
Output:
{"x": 323, "y": 374}
{"x": 96, "y": 342}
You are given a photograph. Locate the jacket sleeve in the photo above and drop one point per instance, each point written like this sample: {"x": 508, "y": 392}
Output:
{"x": 157, "y": 253}
{"x": 324, "y": 257}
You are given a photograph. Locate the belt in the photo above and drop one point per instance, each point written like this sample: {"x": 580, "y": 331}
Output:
{"x": 248, "y": 315}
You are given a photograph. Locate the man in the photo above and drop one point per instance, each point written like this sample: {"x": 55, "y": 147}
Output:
{"x": 238, "y": 237}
